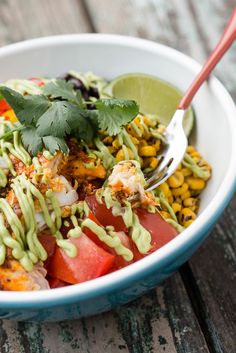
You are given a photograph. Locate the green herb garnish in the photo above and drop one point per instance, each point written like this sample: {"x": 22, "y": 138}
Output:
{"x": 46, "y": 120}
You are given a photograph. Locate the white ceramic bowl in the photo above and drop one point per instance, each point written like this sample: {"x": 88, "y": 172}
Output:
{"x": 215, "y": 137}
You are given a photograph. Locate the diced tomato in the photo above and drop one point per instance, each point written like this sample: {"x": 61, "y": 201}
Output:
{"x": 90, "y": 262}
{"x": 104, "y": 215}
{"x": 125, "y": 240}
{"x": 39, "y": 82}
{"x": 56, "y": 283}
{"x": 4, "y": 106}
{"x": 49, "y": 243}
{"x": 160, "y": 230}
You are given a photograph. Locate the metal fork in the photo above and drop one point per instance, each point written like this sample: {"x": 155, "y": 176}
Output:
{"x": 176, "y": 140}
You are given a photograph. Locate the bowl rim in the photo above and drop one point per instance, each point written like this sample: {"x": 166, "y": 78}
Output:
{"x": 126, "y": 276}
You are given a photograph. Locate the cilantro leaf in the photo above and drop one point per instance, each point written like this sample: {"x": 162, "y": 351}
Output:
{"x": 34, "y": 107}
{"x": 62, "y": 89}
{"x": 31, "y": 140}
{"x": 35, "y": 143}
{"x": 57, "y": 119}
{"x": 54, "y": 144}
{"x": 27, "y": 109}
{"x": 83, "y": 128}
{"x": 113, "y": 114}
{"x": 13, "y": 98}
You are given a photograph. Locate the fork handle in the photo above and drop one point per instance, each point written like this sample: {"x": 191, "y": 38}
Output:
{"x": 225, "y": 42}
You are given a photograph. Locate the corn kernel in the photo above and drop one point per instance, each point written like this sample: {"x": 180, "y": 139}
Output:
{"x": 190, "y": 202}
{"x": 147, "y": 151}
{"x": 186, "y": 172}
{"x": 143, "y": 143}
{"x": 195, "y": 183}
{"x": 165, "y": 214}
{"x": 134, "y": 140}
{"x": 181, "y": 190}
{"x": 120, "y": 155}
{"x": 116, "y": 143}
{"x": 153, "y": 162}
{"x": 165, "y": 189}
{"x": 186, "y": 214}
{"x": 157, "y": 145}
{"x": 112, "y": 149}
{"x": 187, "y": 224}
{"x": 190, "y": 149}
{"x": 185, "y": 195}
{"x": 176, "y": 207}
{"x": 147, "y": 120}
{"x": 170, "y": 199}
{"x": 107, "y": 140}
{"x": 176, "y": 180}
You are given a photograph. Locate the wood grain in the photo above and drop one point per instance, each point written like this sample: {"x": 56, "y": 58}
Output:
{"x": 23, "y": 19}
{"x": 161, "y": 321}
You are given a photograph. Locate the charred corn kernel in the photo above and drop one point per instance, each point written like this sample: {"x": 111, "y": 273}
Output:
{"x": 147, "y": 151}
{"x": 107, "y": 140}
{"x": 164, "y": 187}
{"x": 190, "y": 149}
{"x": 186, "y": 224}
{"x": 116, "y": 143}
{"x": 185, "y": 195}
{"x": 186, "y": 172}
{"x": 185, "y": 215}
{"x": 165, "y": 214}
{"x": 176, "y": 207}
{"x": 176, "y": 180}
{"x": 10, "y": 115}
{"x": 153, "y": 162}
{"x": 120, "y": 155}
{"x": 157, "y": 145}
{"x": 195, "y": 183}
{"x": 181, "y": 190}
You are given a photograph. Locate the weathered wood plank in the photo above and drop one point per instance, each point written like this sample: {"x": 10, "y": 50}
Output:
{"x": 24, "y": 19}
{"x": 214, "y": 297}
{"x": 163, "y": 320}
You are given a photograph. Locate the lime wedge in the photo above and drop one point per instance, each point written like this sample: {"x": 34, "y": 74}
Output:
{"x": 154, "y": 96}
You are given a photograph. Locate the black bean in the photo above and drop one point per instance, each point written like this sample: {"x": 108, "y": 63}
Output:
{"x": 93, "y": 92}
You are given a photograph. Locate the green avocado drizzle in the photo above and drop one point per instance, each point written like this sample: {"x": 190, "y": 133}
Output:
{"x": 140, "y": 236}
{"x": 25, "y": 244}
{"x": 111, "y": 239}
{"x": 3, "y": 179}
{"x": 105, "y": 155}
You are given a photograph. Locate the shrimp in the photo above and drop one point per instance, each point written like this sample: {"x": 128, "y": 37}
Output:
{"x": 13, "y": 277}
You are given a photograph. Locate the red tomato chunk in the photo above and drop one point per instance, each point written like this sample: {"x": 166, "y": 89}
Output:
{"x": 90, "y": 262}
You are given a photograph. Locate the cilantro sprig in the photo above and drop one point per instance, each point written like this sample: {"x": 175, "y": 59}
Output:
{"x": 46, "y": 120}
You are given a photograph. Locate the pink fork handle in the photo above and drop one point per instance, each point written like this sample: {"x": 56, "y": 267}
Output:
{"x": 225, "y": 42}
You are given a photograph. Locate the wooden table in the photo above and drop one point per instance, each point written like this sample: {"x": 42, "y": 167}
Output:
{"x": 195, "y": 309}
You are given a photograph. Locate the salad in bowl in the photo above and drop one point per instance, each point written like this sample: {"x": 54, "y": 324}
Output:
{"x": 73, "y": 201}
